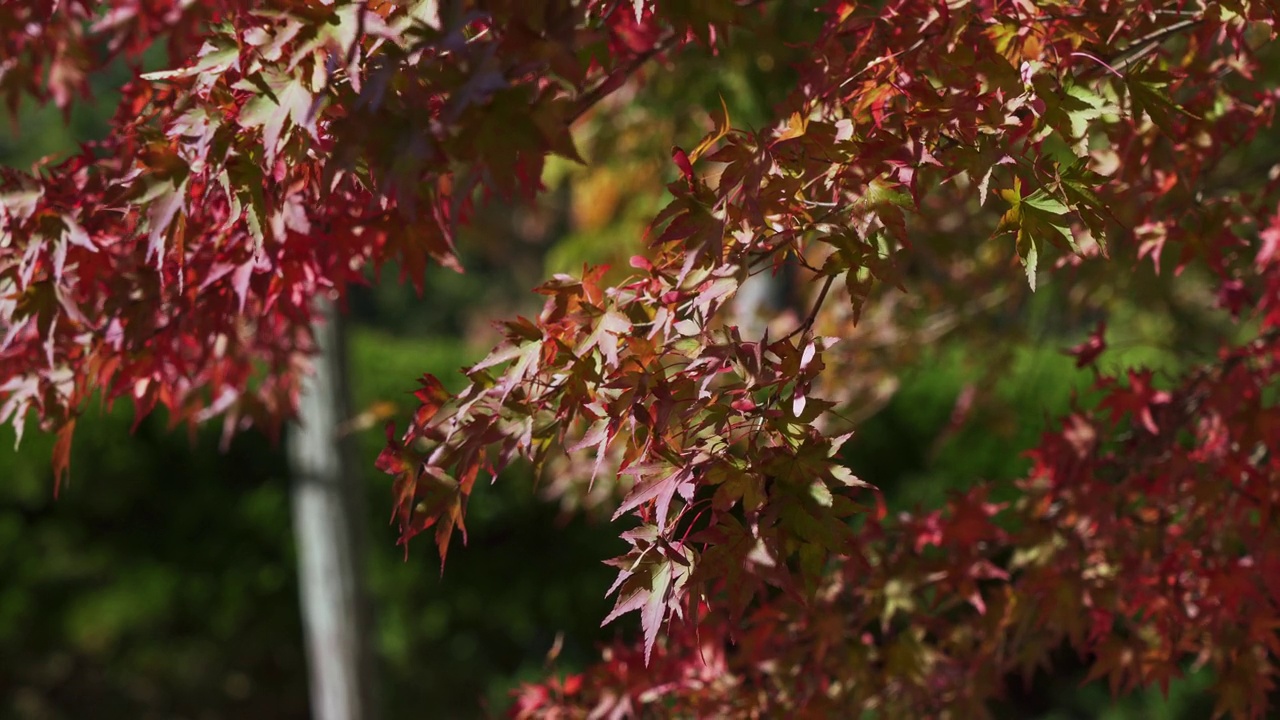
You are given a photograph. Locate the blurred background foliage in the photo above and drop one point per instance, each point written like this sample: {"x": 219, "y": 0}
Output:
{"x": 161, "y": 584}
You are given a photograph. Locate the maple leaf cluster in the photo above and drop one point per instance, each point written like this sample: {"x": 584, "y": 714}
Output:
{"x": 304, "y": 143}
{"x": 294, "y": 146}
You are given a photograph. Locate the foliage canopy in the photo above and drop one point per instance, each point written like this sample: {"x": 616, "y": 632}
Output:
{"x": 294, "y": 145}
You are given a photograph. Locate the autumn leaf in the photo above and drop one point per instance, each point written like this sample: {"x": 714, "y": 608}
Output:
{"x": 722, "y": 127}
{"x": 648, "y": 582}
{"x": 62, "y": 454}
{"x": 281, "y": 97}
{"x": 294, "y": 150}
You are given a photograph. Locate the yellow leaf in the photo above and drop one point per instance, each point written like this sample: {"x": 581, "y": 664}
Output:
{"x": 796, "y": 126}
{"x": 713, "y": 137}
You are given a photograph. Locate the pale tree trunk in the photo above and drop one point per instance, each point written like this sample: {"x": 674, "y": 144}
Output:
{"x": 329, "y": 529}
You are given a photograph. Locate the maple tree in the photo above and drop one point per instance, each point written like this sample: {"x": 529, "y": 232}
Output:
{"x": 294, "y": 145}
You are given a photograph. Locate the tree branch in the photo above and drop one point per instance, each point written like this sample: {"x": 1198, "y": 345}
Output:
{"x": 807, "y": 325}
{"x": 617, "y": 78}
{"x": 620, "y": 75}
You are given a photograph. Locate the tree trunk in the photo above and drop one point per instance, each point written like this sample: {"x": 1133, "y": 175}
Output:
{"x": 329, "y": 530}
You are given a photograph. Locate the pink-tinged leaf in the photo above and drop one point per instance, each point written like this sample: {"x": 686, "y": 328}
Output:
{"x": 240, "y": 282}
{"x": 216, "y": 273}
{"x": 612, "y": 326}
{"x": 432, "y": 395}
{"x": 845, "y": 477}
{"x": 844, "y": 130}
{"x": 595, "y": 435}
{"x": 714, "y": 293}
{"x": 526, "y": 364}
{"x": 807, "y": 355}
{"x": 646, "y": 582}
{"x": 984, "y": 185}
{"x": 212, "y": 59}
{"x": 655, "y": 606}
{"x": 499, "y": 356}
{"x": 837, "y": 442}
{"x": 70, "y": 308}
{"x": 11, "y": 333}
{"x": 633, "y": 596}
{"x": 659, "y": 488}
{"x": 59, "y": 260}
{"x": 160, "y": 216}
{"x": 1270, "y": 248}
{"x": 609, "y": 328}
{"x": 687, "y": 328}
{"x": 975, "y": 599}
{"x": 76, "y": 235}
{"x": 681, "y": 159}
{"x": 277, "y": 97}
{"x": 23, "y": 391}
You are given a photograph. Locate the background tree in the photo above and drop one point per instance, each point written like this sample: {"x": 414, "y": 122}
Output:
{"x": 328, "y": 519}
{"x": 1108, "y": 125}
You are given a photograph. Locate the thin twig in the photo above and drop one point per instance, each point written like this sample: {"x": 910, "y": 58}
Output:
{"x": 617, "y": 78}
{"x": 807, "y": 325}
{"x": 1147, "y": 44}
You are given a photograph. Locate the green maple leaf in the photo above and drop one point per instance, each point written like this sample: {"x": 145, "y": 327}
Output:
{"x": 552, "y": 120}
{"x": 1149, "y": 91}
{"x": 729, "y": 545}
{"x": 1070, "y": 112}
{"x": 215, "y": 57}
{"x": 1077, "y": 183}
{"x": 243, "y": 181}
{"x": 887, "y": 200}
{"x": 1034, "y": 219}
